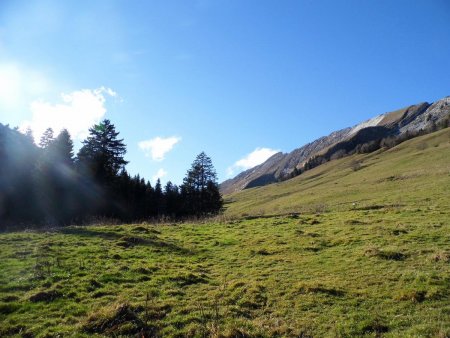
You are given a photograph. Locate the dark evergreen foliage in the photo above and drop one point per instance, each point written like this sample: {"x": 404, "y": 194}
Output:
{"x": 102, "y": 153}
{"x": 18, "y": 156}
{"x": 200, "y": 190}
{"x": 47, "y": 185}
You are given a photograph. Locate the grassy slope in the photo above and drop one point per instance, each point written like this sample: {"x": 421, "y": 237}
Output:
{"x": 379, "y": 267}
{"x": 415, "y": 173}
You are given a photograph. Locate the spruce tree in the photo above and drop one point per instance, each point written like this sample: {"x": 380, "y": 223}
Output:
{"x": 102, "y": 152}
{"x": 62, "y": 148}
{"x": 200, "y": 189}
{"x": 172, "y": 196}
{"x": 159, "y": 198}
{"x": 99, "y": 162}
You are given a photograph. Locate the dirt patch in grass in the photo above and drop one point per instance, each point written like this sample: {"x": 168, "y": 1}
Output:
{"x": 385, "y": 254}
{"x": 187, "y": 279}
{"x": 153, "y": 241}
{"x": 312, "y": 248}
{"x": 392, "y": 255}
{"x": 129, "y": 241}
{"x": 156, "y": 311}
{"x": 394, "y": 178}
{"x": 18, "y": 330}
{"x": 252, "y": 297}
{"x": 145, "y": 230}
{"x": 415, "y": 296}
{"x": 100, "y": 294}
{"x": 305, "y": 288}
{"x": 9, "y": 299}
{"x": 140, "y": 229}
{"x": 312, "y": 234}
{"x": 262, "y": 252}
{"x": 145, "y": 270}
{"x": 46, "y": 296}
{"x": 354, "y": 222}
{"x": 442, "y": 256}
{"x": 93, "y": 285}
{"x": 121, "y": 319}
{"x": 8, "y": 308}
{"x": 371, "y": 207}
{"x": 398, "y": 232}
{"x": 374, "y": 326}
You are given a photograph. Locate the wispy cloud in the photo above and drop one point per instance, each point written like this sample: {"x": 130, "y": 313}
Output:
{"x": 160, "y": 174}
{"x": 78, "y": 111}
{"x": 158, "y": 147}
{"x": 257, "y": 156}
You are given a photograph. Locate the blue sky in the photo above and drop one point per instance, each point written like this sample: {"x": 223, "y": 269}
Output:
{"x": 224, "y": 77}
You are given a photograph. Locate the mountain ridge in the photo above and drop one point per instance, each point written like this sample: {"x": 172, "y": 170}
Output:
{"x": 279, "y": 166}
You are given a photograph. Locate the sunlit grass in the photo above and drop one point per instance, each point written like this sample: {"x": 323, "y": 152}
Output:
{"x": 415, "y": 173}
{"x": 380, "y": 266}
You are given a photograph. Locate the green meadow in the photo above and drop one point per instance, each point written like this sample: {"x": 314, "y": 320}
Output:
{"x": 356, "y": 247}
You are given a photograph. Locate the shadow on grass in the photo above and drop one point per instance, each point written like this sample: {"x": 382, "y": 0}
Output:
{"x": 127, "y": 241}
{"x": 386, "y": 254}
{"x": 380, "y": 206}
{"x": 86, "y": 232}
{"x": 318, "y": 288}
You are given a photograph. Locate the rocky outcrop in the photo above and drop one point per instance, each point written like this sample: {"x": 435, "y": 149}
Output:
{"x": 433, "y": 114}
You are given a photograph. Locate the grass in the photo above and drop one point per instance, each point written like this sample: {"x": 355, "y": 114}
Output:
{"x": 415, "y": 174}
{"x": 308, "y": 263}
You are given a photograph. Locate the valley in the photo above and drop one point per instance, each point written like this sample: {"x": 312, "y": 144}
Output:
{"x": 359, "y": 246}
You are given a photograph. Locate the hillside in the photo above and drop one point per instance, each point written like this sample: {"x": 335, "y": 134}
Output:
{"x": 418, "y": 169}
{"x": 362, "y": 250}
{"x": 399, "y": 122}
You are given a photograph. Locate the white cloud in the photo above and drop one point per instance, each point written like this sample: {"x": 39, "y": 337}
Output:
{"x": 158, "y": 147}
{"x": 160, "y": 174}
{"x": 78, "y": 111}
{"x": 257, "y": 156}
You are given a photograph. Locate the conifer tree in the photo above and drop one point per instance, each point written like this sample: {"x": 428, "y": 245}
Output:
{"x": 159, "y": 198}
{"x": 62, "y": 148}
{"x": 200, "y": 189}
{"x": 102, "y": 152}
{"x": 46, "y": 138}
{"x": 29, "y": 135}
{"x": 99, "y": 162}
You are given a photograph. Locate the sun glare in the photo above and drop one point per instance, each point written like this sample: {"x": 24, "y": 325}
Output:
{"x": 10, "y": 79}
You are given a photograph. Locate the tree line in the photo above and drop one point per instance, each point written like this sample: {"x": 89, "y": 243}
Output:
{"x": 49, "y": 185}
